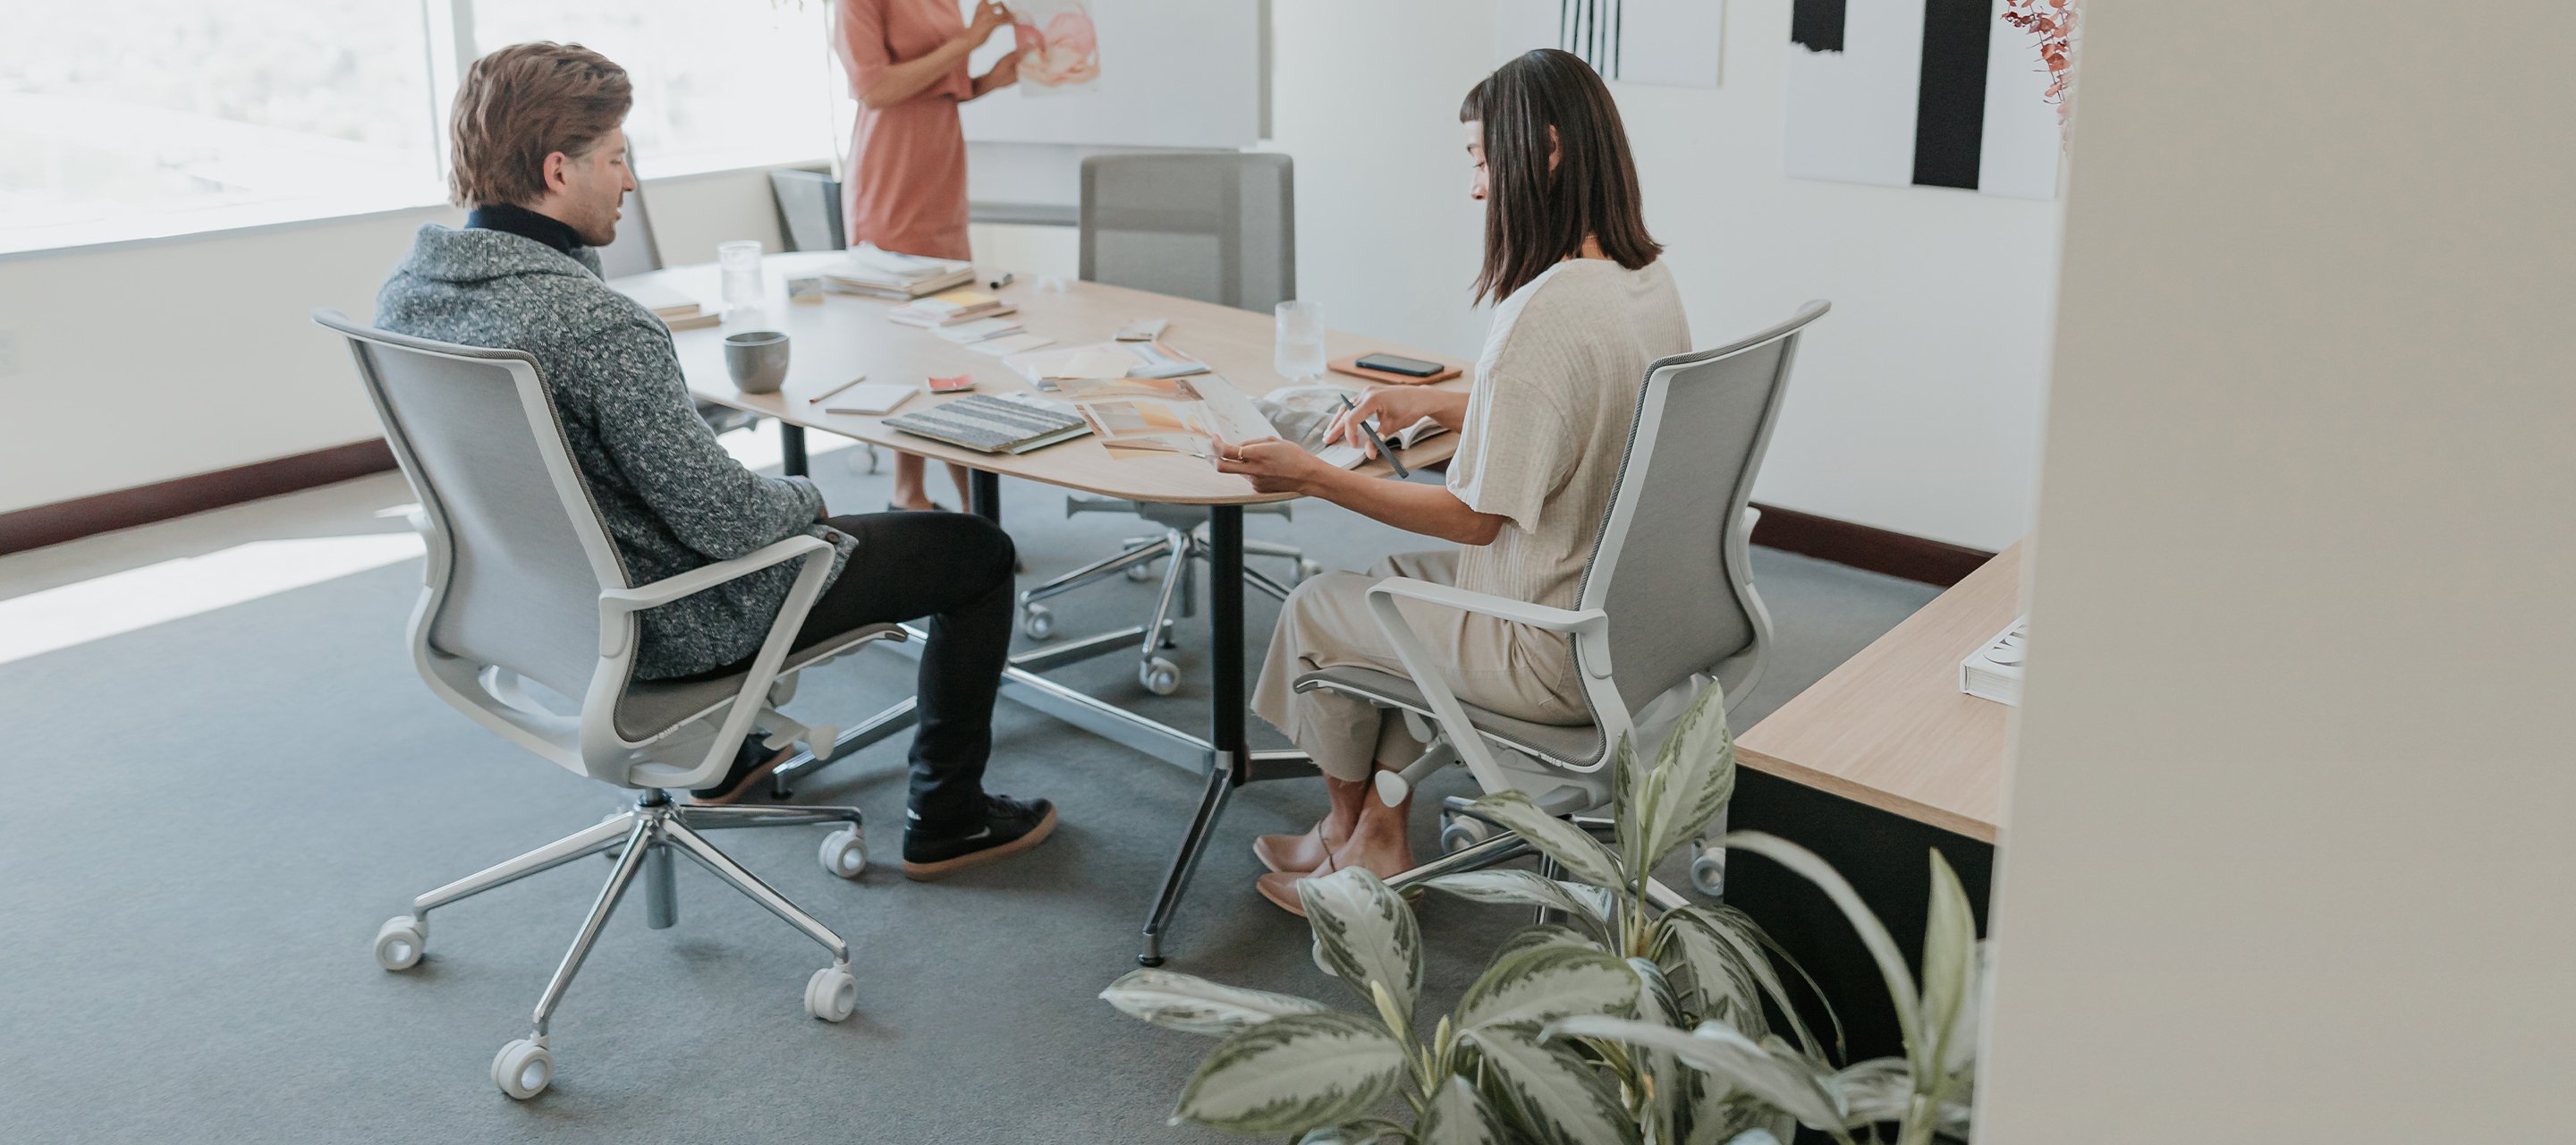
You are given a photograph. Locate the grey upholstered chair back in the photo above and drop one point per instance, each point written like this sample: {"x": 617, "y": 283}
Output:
{"x": 1669, "y": 566}
{"x": 523, "y": 564}
{"x": 1217, "y": 226}
{"x": 809, "y": 209}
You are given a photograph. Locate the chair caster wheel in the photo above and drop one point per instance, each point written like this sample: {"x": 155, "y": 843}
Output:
{"x": 1459, "y": 832}
{"x": 1306, "y": 570}
{"x": 1038, "y": 621}
{"x": 400, "y": 942}
{"x": 831, "y": 994}
{"x": 523, "y": 1069}
{"x": 1708, "y": 871}
{"x": 845, "y": 853}
{"x": 1159, "y": 676}
{"x": 1141, "y": 571}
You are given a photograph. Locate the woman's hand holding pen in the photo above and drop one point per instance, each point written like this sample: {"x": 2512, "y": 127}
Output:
{"x": 1396, "y": 409}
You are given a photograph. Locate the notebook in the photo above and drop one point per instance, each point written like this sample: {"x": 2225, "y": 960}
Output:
{"x": 990, "y": 423}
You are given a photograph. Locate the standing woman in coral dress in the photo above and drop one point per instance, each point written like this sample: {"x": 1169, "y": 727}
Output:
{"x": 905, "y": 189}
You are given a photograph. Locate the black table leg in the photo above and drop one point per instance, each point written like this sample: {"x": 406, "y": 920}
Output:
{"x": 984, "y": 495}
{"x": 1229, "y": 755}
{"x": 791, "y": 450}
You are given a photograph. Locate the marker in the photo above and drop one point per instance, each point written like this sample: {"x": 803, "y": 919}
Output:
{"x": 1374, "y": 439}
{"x": 999, "y": 283}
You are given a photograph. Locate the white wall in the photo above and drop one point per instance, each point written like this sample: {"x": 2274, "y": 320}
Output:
{"x": 1916, "y": 405}
{"x": 153, "y": 360}
{"x": 2289, "y": 857}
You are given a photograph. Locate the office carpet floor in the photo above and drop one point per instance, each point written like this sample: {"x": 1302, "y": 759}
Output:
{"x": 204, "y": 821}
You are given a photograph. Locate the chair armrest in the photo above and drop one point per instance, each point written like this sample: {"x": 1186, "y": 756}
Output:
{"x": 1591, "y": 621}
{"x": 615, "y": 603}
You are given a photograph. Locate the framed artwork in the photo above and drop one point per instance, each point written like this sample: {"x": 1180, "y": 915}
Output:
{"x": 1965, "y": 94}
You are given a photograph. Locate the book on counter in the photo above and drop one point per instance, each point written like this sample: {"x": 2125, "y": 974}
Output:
{"x": 1994, "y": 672}
{"x": 994, "y": 423}
{"x": 951, "y": 308}
{"x": 876, "y": 273}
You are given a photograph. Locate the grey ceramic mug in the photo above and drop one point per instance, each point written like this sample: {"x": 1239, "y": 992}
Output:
{"x": 757, "y": 359}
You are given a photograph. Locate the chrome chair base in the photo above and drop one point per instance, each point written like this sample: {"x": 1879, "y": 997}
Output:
{"x": 1184, "y": 547}
{"x": 642, "y": 841}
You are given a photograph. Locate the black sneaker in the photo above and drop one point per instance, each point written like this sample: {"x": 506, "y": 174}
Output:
{"x": 1008, "y": 827}
{"x": 751, "y": 764}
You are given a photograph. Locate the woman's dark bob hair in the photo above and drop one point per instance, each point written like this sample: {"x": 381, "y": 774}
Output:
{"x": 1537, "y": 215}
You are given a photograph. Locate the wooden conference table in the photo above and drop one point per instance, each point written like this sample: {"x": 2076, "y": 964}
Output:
{"x": 844, "y": 336}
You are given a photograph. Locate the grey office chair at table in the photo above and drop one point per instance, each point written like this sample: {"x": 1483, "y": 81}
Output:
{"x": 1667, "y": 605}
{"x": 526, "y": 603}
{"x": 1219, "y": 227}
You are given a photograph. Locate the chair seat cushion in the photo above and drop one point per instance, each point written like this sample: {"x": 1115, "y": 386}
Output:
{"x": 1574, "y": 746}
{"x": 651, "y": 707}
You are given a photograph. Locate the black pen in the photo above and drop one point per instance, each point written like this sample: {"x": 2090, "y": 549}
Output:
{"x": 1374, "y": 439}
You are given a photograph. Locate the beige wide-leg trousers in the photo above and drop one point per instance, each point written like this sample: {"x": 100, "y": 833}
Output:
{"x": 1519, "y": 671}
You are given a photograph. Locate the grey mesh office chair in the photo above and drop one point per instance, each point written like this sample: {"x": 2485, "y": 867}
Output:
{"x": 809, "y": 217}
{"x": 1217, "y": 226}
{"x": 526, "y": 603}
{"x": 1667, "y": 603}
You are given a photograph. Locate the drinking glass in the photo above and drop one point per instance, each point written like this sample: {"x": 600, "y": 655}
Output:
{"x": 743, "y": 286}
{"x": 1298, "y": 354}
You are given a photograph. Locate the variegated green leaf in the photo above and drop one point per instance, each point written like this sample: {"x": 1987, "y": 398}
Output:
{"x": 1782, "y": 1079}
{"x": 1527, "y": 888}
{"x": 1195, "y": 1005}
{"x": 1754, "y": 1137}
{"x": 1295, "y": 1073}
{"x": 1670, "y": 1087}
{"x": 1949, "y": 968}
{"x": 1366, "y": 932}
{"x": 1723, "y": 947}
{"x": 1692, "y": 777}
{"x": 1962, "y": 1056}
{"x": 1370, "y": 1132}
{"x": 1543, "y": 934}
{"x": 1628, "y": 802}
{"x": 1537, "y": 986}
{"x": 1574, "y": 848}
{"x": 1879, "y": 1089}
{"x": 1873, "y": 933}
{"x": 1559, "y": 1096}
{"x": 1458, "y": 1115}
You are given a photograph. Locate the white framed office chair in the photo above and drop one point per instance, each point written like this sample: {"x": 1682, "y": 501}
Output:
{"x": 1217, "y": 226}
{"x": 1667, "y": 603}
{"x": 525, "y": 603}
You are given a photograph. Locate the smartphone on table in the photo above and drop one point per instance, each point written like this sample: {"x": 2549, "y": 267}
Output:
{"x": 1398, "y": 364}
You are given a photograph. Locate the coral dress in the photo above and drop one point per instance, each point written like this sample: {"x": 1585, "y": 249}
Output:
{"x": 905, "y": 189}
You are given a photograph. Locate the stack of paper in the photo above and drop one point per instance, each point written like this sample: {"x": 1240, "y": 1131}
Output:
{"x": 1104, "y": 360}
{"x": 878, "y": 273}
{"x": 1994, "y": 672}
{"x": 951, "y": 308}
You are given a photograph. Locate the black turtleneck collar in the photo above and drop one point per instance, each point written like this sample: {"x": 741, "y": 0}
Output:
{"x": 524, "y": 223}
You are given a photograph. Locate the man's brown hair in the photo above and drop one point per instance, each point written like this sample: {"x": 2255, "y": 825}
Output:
{"x": 521, "y": 104}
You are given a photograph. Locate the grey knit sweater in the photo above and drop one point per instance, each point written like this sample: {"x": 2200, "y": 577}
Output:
{"x": 672, "y": 498}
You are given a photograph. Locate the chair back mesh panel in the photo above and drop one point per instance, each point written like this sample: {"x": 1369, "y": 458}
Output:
{"x": 809, "y": 209}
{"x": 522, "y": 591}
{"x": 1673, "y": 605}
{"x": 1215, "y": 226}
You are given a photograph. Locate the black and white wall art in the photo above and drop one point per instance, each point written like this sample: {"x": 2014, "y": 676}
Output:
{"x": 1928, "y": 93}
{"x": 1672, "y": 42}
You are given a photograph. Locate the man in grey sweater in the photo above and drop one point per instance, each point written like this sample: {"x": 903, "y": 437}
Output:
{"x": 540, "y": 158}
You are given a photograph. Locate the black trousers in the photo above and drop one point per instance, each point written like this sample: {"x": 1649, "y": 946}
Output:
{"x": 955, "y": 569}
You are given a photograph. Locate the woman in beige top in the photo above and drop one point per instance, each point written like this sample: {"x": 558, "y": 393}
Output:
{"x": 1583, "y": 308}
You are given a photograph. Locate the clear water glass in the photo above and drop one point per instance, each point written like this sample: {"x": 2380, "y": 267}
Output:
{"x": 744, "y": 289}
{"x": 1298, "y": 354}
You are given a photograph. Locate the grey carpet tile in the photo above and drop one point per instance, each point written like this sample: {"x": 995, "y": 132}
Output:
{"x": 205, "y": 820}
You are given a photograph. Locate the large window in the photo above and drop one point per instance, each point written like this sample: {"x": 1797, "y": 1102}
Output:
{"x": 161, "y": 117}
{"x": 718, "y": 83}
